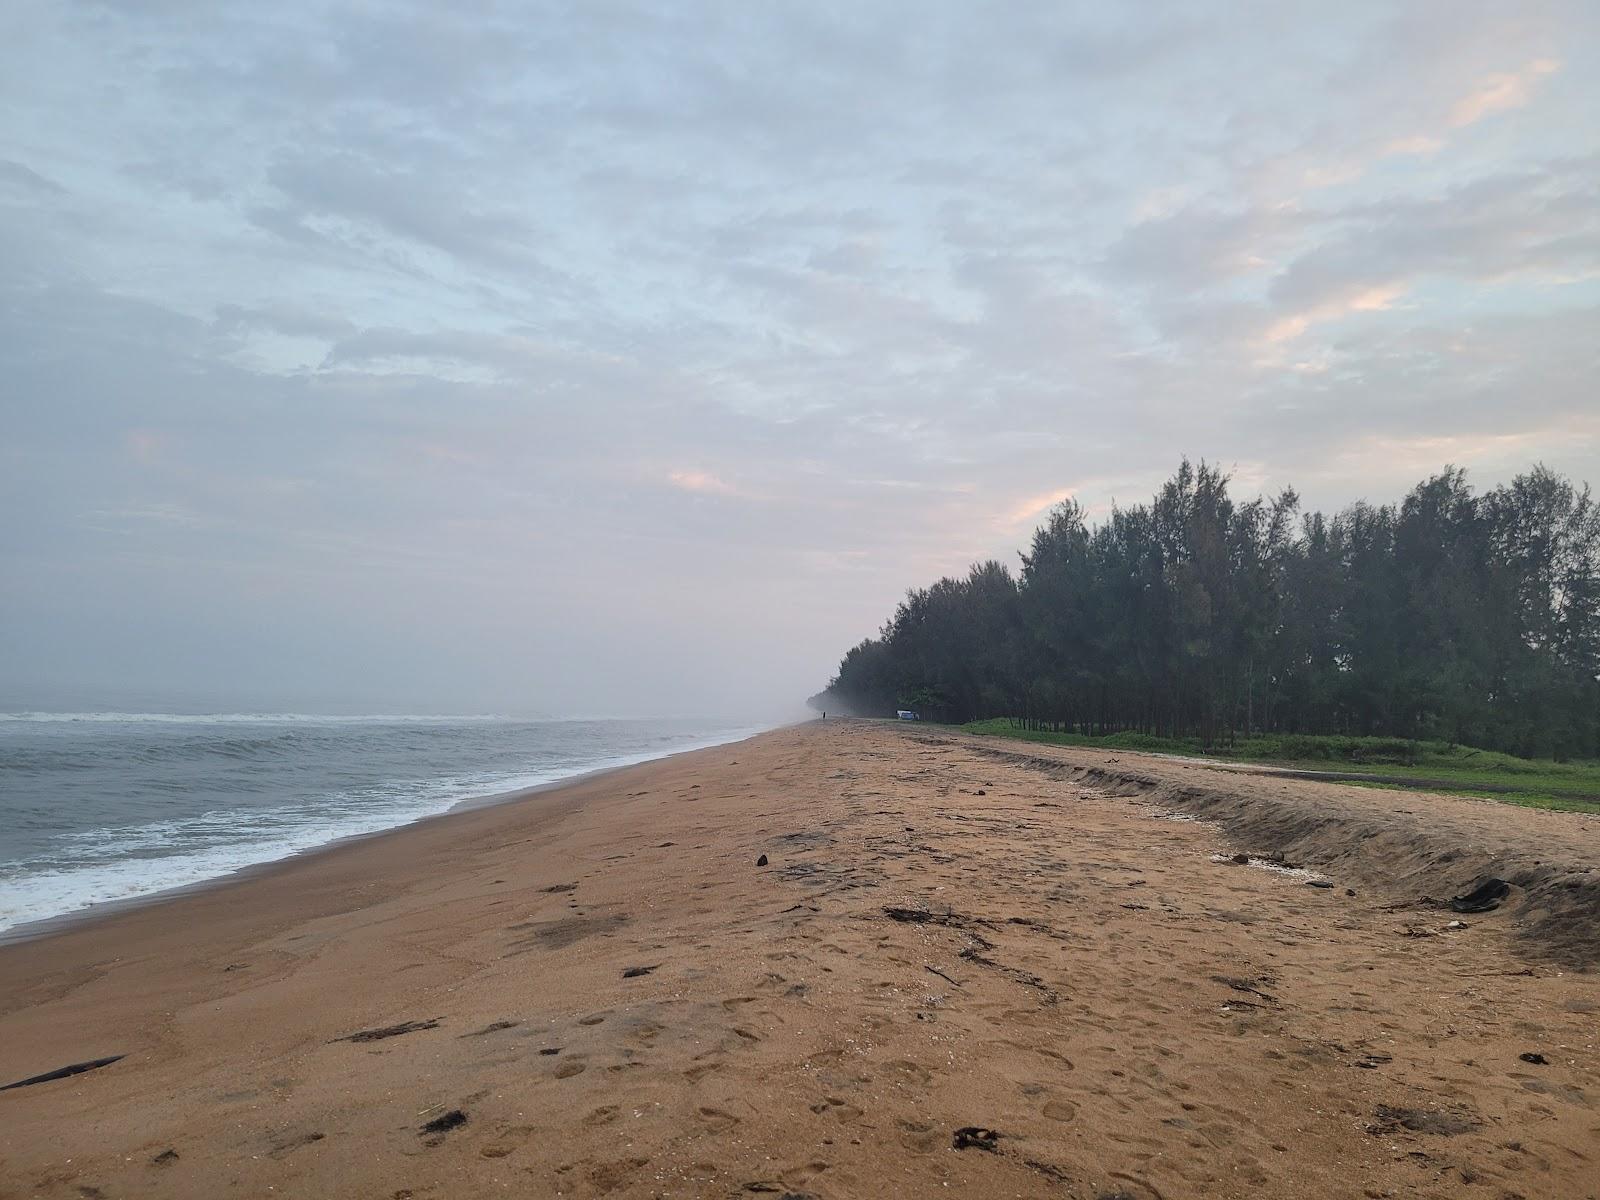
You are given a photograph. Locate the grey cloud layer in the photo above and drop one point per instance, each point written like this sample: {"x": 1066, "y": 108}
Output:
{"x": 599, "y": 356}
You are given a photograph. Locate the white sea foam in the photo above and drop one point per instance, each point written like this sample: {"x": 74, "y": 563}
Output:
{"x": 98, "y": 866}
{"x": 133, "y": 718}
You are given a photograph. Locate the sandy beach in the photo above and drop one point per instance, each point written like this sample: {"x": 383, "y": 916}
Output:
{"x": 966, "y": 968}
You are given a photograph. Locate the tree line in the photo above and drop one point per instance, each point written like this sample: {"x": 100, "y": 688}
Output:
{"x": 1453, "y": 616}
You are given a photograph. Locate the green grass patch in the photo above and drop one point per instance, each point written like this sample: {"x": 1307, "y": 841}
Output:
{"x": 1391, "y": 762}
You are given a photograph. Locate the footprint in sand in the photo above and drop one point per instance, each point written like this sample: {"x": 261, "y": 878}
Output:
{"x": 917, "y": 1137}
{"x": 592, "y": 1019}
{"x": 571, "y": 1067}
{"x": 1143, "y": 1190}
{"x": 609, "y": 1176}
{"x": 645, "y": 1031}
{"x": 715, "y": 1119}
{"x": 790, "y": 1180}
{"x": 288, "y": 1143}
{"x": 905, "y": 1069}
{"x": 1060, "y": 1110}
{"x": 603, "y": 1115}
{"x": 848, "y": 1113}
{"x": 1060, "y": 1060}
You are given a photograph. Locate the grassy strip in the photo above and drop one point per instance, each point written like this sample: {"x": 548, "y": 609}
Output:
{"x": 1381, "y": 762}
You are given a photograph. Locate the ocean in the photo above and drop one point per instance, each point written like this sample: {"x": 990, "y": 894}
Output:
{"x": 101, "y": 807}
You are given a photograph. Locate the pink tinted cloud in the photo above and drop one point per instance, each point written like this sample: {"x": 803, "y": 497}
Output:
{"x": 1501, "y": 91}
{"x": 701, "y": 481}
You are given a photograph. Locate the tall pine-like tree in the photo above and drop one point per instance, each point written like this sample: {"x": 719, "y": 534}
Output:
{"x": 1452, "y": 615}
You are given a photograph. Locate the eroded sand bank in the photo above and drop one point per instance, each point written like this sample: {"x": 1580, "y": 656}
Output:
{"x": 597, "y": 991}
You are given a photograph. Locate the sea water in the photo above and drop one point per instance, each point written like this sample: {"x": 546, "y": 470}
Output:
{"x": 100, "y": 807}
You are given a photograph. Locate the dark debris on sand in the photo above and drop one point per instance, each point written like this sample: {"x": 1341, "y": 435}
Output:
{"x": 1485, "y": 897}
{"x": 445, "y": 1122}
{"x": 975, "y": 1137}
{"x": 492, "y": 1027}
{"x": 64, "y": 1072}
{"x": 1440, "y": 1124}
{"x": 387, "y": 1031}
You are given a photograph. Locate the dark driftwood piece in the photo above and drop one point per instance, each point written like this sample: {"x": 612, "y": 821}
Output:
{"x": 388, "y": 1031}
{"x": 64, "y": 1072}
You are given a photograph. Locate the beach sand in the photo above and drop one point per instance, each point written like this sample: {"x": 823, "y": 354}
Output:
{"x": 1042, "y": 948}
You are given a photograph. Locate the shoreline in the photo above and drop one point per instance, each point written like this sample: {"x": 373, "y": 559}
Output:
{"x": 45, "y": 927}
{"x": 832, "y": 960}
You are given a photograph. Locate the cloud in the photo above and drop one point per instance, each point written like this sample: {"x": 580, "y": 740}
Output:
{"x": 1360, "y": 299}
{"x": 1501, "y": 91}
{"x": 281, "y": 318}
{"x": 1421, "y": 454}
{"x": 145, "y": 444}
{"x": 427, "y": 314}
{"x": 1026, "y": 510}
{"x": 701, "y": 481}
{"x": 1198, "y": 247}
{"x": 1415, "y": 144}
{"x": 22, "y": 178}
{"x": 1334, "y": 174}
{"x": 167, "y": 514}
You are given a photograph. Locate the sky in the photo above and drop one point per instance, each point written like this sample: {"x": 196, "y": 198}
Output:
{"x": 615, "y": 359}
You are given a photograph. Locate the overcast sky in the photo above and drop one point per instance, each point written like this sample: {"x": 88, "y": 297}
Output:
{"x": 599, "y": 358}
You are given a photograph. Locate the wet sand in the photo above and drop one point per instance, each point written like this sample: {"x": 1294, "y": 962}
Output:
{"x": 966, "y": 969}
